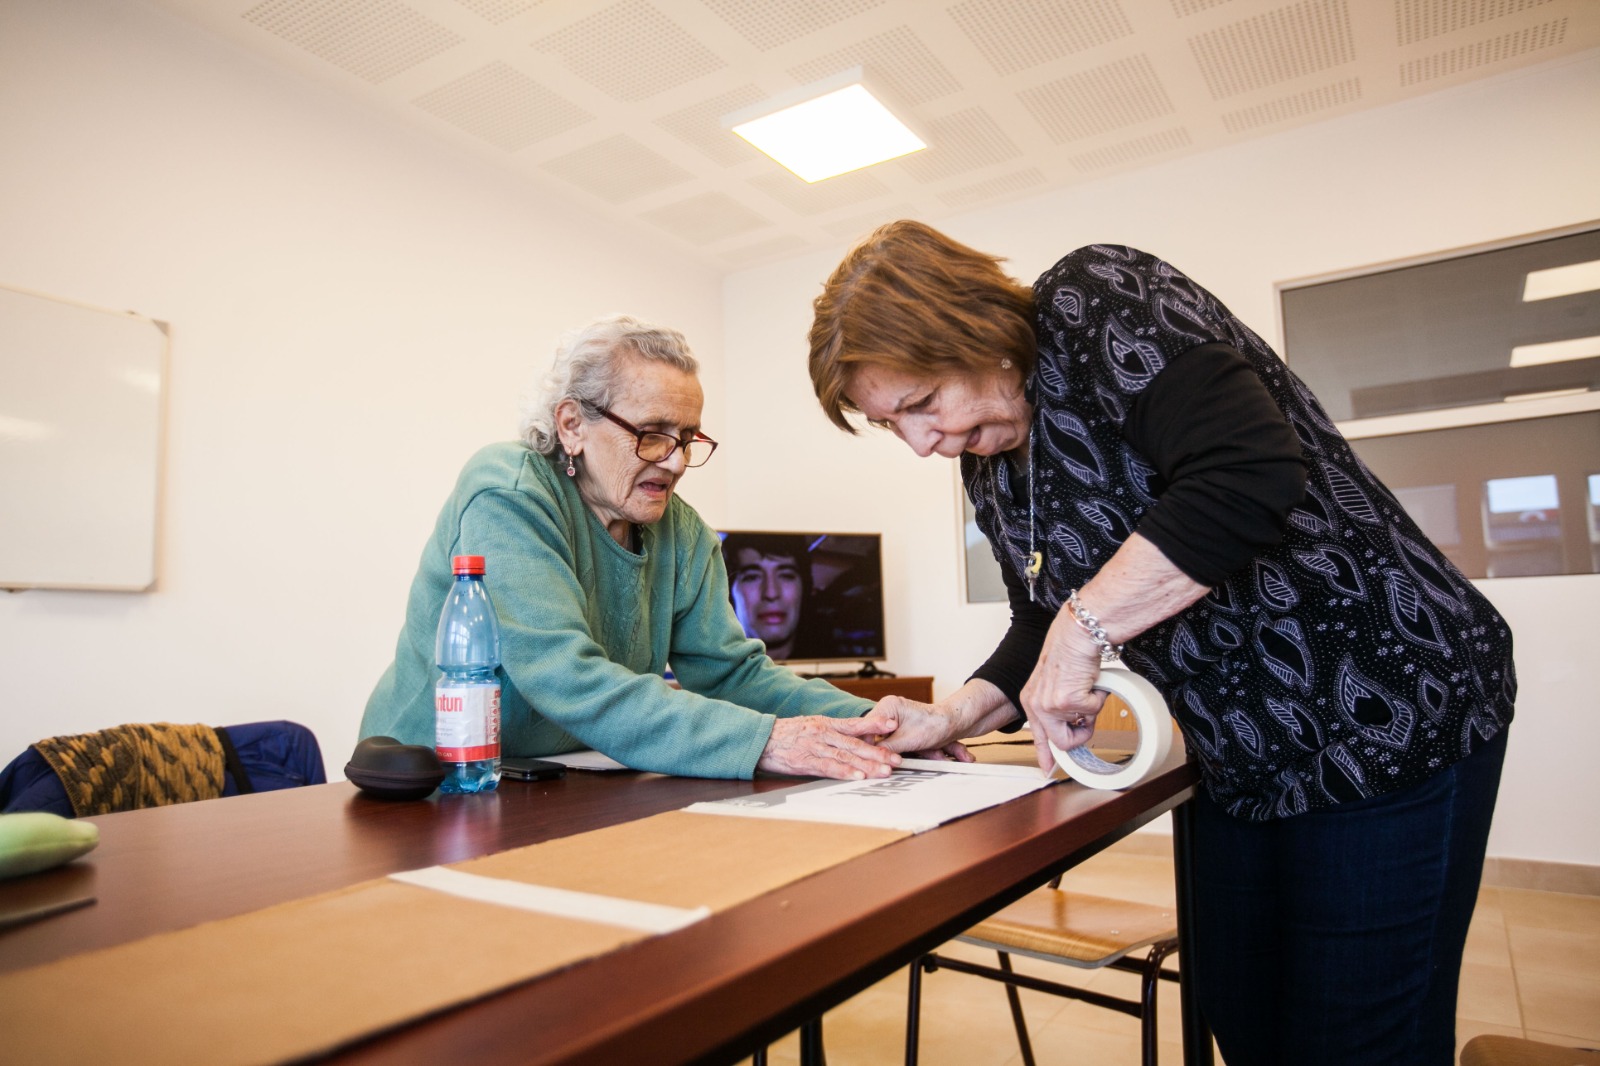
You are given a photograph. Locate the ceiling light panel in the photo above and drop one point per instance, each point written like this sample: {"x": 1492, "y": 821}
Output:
{"x": 830, "y": 134}
{"x": 1014, "y": 35}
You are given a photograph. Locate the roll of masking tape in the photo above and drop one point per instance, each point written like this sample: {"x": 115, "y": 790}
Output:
{"x": 1155, "y": 735}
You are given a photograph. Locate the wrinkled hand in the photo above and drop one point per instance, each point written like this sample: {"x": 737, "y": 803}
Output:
{"x": 818, "y": 746}
{"x": 923, "y": 730}
{"x": 1060, "y": 699}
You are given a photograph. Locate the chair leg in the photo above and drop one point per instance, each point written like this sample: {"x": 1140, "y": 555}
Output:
{"x": 1015, "y": 999}
{"x": 1147, "y": 1000}
{"x": 913, "y": 1010}
{"x": 759, "y": 1058}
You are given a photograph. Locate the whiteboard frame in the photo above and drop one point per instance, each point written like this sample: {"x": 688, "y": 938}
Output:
{"x": 136, "y": 573}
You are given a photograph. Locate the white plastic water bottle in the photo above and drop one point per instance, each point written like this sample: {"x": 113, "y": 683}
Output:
{"x": 467, "y": 697}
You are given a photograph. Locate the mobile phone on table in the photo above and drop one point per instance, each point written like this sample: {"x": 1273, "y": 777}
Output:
{"x": 520, "y": 768}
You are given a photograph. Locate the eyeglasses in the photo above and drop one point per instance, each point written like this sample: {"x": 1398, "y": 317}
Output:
{"x": 655, "y": 447}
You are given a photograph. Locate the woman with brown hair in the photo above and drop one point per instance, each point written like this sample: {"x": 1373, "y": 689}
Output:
{"x": 1157, "y": 486}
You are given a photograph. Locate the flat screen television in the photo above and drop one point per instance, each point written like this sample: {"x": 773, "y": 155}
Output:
{"x": 810, "y": 597}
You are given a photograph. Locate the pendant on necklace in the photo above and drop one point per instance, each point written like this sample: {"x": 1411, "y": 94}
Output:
{"x": 1035, "y": 564}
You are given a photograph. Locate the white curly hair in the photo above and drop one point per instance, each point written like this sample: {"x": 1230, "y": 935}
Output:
{"x": 588, "y": 369}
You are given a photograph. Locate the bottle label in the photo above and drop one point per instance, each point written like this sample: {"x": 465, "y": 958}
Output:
{"x": 467, "y": 722}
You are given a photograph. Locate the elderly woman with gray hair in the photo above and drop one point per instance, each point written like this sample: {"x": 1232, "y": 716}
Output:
{"x": 601, "y": 576}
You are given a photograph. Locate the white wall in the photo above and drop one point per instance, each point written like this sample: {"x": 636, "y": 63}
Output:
{"x": 354, "y": 310}
{"x": 1506, "y": 157}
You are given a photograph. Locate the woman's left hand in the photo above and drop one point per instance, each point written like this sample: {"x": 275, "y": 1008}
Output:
{"x": 1060, "y": 699}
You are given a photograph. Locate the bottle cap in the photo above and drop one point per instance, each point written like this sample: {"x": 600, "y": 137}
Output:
{"x": 467, "y": 564}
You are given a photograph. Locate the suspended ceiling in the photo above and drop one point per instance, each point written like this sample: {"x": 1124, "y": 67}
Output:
{"x": 617, "y": 104}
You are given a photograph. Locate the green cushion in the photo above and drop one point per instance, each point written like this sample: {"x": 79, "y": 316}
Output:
{"x": 34, "y": 841}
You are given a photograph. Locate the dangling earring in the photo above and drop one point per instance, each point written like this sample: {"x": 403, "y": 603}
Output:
{"x": 571, "y": 471}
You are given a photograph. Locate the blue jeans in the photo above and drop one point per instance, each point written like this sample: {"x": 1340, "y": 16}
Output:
{"x": 1335, "y": 937}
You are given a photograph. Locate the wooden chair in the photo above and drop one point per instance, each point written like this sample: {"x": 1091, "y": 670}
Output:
{"x": 1489, "y": 1050}
{"x": 1070, "y": 928}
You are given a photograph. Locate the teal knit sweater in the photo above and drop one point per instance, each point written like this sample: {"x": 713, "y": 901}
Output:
{"x": 587, "y": 628}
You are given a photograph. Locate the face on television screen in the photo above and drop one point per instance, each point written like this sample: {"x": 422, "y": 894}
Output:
{"x": 808, "y": 596}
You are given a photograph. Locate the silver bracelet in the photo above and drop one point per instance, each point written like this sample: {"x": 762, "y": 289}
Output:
{"x": 1109, "y": 652}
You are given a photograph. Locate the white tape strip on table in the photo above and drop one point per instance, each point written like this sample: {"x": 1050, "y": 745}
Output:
{"x": 559, "y": 902}
{"x": 1155, "y": 735}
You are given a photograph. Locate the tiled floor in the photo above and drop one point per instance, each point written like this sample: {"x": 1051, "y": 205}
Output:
{"x": 1532, "y": 969}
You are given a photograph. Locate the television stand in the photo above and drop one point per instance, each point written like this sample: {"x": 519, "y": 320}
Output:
{"x": 878, "y": 685}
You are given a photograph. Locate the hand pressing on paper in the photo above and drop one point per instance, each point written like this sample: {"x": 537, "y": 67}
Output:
{"x": 930, "y": 730}
{"x": 818, "y": 746}
{"x": 919, "y": 730}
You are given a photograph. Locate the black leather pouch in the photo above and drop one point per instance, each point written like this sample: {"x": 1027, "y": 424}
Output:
{"x": 387, "y": 769}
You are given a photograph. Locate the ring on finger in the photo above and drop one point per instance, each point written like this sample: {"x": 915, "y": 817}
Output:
{"x": 1077, "y": 723}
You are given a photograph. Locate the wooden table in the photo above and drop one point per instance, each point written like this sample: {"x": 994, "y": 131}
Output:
{"x": 709, "y": 993}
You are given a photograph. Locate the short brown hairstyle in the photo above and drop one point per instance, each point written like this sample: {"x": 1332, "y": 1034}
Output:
{"x": 910, "y": 298}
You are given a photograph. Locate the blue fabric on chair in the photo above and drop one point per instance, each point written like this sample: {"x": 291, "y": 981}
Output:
{"x": 271, "y": 755}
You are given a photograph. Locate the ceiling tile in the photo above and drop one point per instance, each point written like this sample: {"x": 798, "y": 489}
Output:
{"x": 372, "y": 39}
{"x": 853, "y": 188}
{"x": 994, "y": 188}
{"x": 768, "y": 249}
{"x": 1104, "y": 98}
{"x": 1015, "y": 97}
{"x": 1132, "y": 151}
{"x": 700, "y": 125}
{"x": 767, "y": 24}
{"x": 1483, "y": 53}
{"x": 498, "y": 11}
{"x": 631, "y": 51}
{"x": 706, "y": 219}
{"x": 860, "y": 225}
{"x": 897, "y": 58}
{"x": 1268, "y": 49}
{"x": 1014, "y": 35}
{"x": 503, "y": 106}
{"x": 1297, "y": 105}
{"x": 1420, "y": 20}
{"x": 1185, "y": 8}
{"x": 957, "y": 143}
{"x": 617, "y": 169}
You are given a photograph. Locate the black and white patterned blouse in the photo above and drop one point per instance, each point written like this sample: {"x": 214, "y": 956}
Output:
{"x": 1349, "y": 660}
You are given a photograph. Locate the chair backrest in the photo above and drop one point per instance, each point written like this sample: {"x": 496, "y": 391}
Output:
{"x": 127, "y": 767}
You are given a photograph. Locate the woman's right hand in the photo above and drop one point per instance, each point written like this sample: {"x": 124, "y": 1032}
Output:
{"x": 818, "y": 746}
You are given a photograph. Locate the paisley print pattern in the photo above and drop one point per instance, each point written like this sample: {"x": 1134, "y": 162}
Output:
{"x": 1351, "y": 660}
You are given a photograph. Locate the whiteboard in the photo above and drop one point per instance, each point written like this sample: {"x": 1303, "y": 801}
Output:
{"x": 81, "y": 401}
